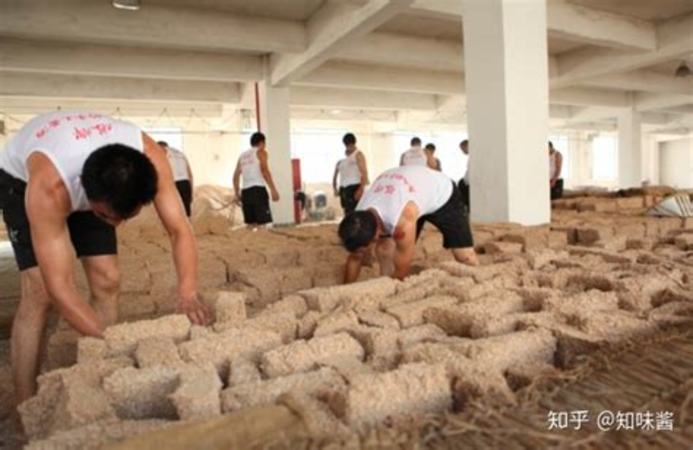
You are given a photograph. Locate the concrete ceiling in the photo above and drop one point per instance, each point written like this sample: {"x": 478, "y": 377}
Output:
{"x": 397, "y": 55}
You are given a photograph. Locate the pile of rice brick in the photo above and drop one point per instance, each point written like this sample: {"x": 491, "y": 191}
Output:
{"x": 377, "y": 352}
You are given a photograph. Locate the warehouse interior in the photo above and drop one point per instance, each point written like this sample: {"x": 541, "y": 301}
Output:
{"x": 579, "y": 304}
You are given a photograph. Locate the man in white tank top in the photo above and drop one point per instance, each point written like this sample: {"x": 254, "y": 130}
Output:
{"x": 417, "y": 156}
{"x": 66, "y": 180}
{"x": 253, "y": 167}
{"x": 392, "y": 213}
{"x": 352, "y": 173}
{"x": 555, "y": 167}
{"x": 182, "y": 175}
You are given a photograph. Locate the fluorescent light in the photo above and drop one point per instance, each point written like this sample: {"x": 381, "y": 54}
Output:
{"x": 130, "y": 5}
{"x": 335, "y": 111}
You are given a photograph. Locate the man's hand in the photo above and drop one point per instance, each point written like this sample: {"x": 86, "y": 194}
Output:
{"x": 237, "y": 200}
{"x": 553, "y": 182}
{"x": 336, "y": 193}
{"x": 195, "y": 308}
{"x": 275, "y": 195}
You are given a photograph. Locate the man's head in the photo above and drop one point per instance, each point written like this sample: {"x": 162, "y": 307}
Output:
{"x": 349, "y": 141}
{"x": 430, "y": 148}
{"x": 358, "y": 230}
{"x": 163, "y": 144}
{"x": 257, "y": 140}
{"x": 415, "y": 142}
{"x": 551, "y": 149}
{"x": 464, "y": 146}
{"x": 118, "y": 180}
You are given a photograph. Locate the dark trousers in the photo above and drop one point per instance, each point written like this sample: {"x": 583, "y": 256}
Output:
{"x": 557, "y": 189}
{"x": 464, "y": 191}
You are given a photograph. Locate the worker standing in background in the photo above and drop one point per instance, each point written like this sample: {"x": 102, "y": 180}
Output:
{"x": 182, "y": 175}
{"x": 555, "y": 167}
{"x": 464, "y": 181}
{"x": 430, "y": 153}
{"x": 67, "y": 179}
{"x": 352, "y": 173}
{"x": 390, "y": 216}
{"x": 253, "y": 166}
{"x": 416, "y": 156}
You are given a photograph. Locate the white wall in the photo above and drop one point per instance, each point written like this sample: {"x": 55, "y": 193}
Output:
{"x": 676, "y": 163}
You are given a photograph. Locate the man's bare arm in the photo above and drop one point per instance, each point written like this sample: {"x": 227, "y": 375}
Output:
{"x": 363, "y": 170}
{"x": 334, "y": 179}
{"x": 559, "y": 164}
{"x": 172, "y": 215}
{"x": 51, "y": 241}
{"x": 237, "y": 180}
{"x": 405, "y": 242}
{"x": 352, "y": 268}
{"x": 266, "y": 174}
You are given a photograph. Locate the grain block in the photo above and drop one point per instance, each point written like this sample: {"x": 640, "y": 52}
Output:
{"x": 326, "y": 299}
{"x": 499, "y": 353}
{"x": 497, "y": 247}
{"x": 588, "y": 236}
{"x": 243, "y": 370}
{"x": 198, "y": 395}
{"x": 266, "y": 392}
{"x": 143, "y": 393}
{"x": 301, "y": 356}
{"x": 412, "y": 389}
{"x": 417, "y": 334}
{"x": 375, "y": 341}
{"x": 378, "y": 319}
{"x": 294, "y": 304}
{"x": 91, "y": 349}
{"x": 319, "y": 420}
{"x": 229, "y": 307}
{"x": 122, "y": 339}
{"x": 336, "y": 322}
{"x": 411, "y": 314}
{"x": 283, "y": 323}
{"x": 307, "y": 324}
{"x": 157, "y": 351}
{"x": 228, "y": 345}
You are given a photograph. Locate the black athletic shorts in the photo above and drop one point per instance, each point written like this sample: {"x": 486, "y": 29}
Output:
{"x": 256, "y": 207}
{"x": 452, "y": 220}
{"x": 347, "y": 197}
{"x": 185, "y": 190}
{"x": 90, "y": 235}
{"x": 557, "y": 190}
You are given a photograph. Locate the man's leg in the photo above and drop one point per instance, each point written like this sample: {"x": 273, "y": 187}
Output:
{"x": 27, "y": 332}
{"x": 103, "y": 276}
{"x": 385, "y": 252}
{"x": 466, "y": 256}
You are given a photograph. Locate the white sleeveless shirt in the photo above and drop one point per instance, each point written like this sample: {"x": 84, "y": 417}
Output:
{"x": 178, "y": 163}
{"x": 67, "y": 139}
{"x": 415, "y": 156}
{"x": 349, "y": 173}
{"x": 391, "y": 191}
{"x": 553, "y": 165}
{"x": 250, "y": 169}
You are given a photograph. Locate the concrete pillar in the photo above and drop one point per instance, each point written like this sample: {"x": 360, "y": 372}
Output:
{"x": 275, "y": 124}
{"x": 506, "y": 70}
{"x": 630, "y": 173}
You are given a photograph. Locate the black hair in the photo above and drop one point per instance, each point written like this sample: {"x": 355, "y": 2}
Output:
{"x": 415, "y": 142}
{"x": 550, "y": 144}
{"x": 256, "y": 139}
{"x": 357, "y": 229}
{"x": 466, "y": 141}
{"x": 431, "y": 146}
{"x": 349, "y": 139}
{"x": 120, "y": 176}
{"x": 162, "y": 143}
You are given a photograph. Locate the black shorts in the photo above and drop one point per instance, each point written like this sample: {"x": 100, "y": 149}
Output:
{"x": 185, "y": 190}
{"x": 557, "y": 190}
{"x": 452, "y": 220}
{"x": 90, "y": 235}
{"x": 256, "y": 208}
{"x": 347, "y": 198}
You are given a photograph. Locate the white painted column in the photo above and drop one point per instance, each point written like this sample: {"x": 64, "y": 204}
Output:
{"x": 275, "y": 124}
{"x": 630, "y": 163}
{"x": 506, "y": 69}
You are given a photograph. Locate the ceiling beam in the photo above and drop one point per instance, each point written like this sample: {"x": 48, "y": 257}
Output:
{"x": 574, "y": 22}
{"x": 643, "y": 80}
{"x": 152, "y": 25}
{"x": 601, "y": 28}
{"x": 331, "y": 28}
{"x": 648, "y": 101}
{"x": 674, "y": 39}
{"x": 361, "y": 76}
{"x": 590, "y": 97}
{"x": 110, "y": 60}
{"x": 408, "y": 51}
{"x": 359, "y": 99}
{"x": 90, "y": 87}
